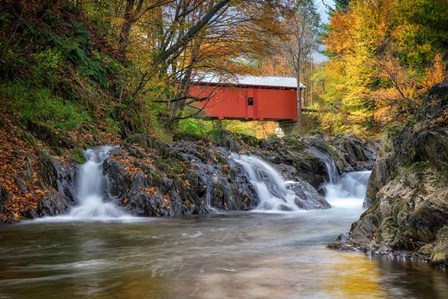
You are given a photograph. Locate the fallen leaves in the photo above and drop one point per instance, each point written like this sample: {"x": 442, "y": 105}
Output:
{"x": 14, "y": 164}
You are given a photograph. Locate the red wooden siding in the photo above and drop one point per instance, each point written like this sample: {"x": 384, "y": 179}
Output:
{"x": 231, "y": 102}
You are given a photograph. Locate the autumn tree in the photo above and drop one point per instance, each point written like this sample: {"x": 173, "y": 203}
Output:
{"x": 189, "y": 36}
{"x": 381, "y": 54}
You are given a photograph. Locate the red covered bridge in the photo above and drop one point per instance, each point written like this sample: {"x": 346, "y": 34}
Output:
{"x": 247, "y": 97}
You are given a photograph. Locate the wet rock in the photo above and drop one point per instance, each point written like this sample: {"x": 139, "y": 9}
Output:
{"x": 354, "y": 154}
{"x": 307, "y": 196}
{"x": 149, "y": 178}
{"x": 306, "y": 155}
{"x": 58, "y": 179}
{"x": 341, "y": 242}
{"x": 407, "y": 191}
{"x": 54, "y": 203}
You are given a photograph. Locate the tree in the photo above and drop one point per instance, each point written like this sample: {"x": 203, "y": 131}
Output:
{"x": 380, "y": 55}
{"x": 305, "y": 28}
{"x": 240, "y": 32}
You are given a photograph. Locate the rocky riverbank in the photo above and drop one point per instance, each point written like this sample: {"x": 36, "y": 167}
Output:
{"x": 407, "y": 193}
{"x": 148, "y": 177}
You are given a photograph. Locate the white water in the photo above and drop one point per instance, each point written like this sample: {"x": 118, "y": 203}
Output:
{"x": 332, "y": 170}
{"x": 90, "y": 192}
{"x": 90, "y": 188}
{"x": 271, "y": 188}
{"x": 342, "y": 192}
{"x": 349, "y": 191}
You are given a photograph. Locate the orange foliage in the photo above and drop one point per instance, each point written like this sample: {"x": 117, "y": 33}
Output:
{"x": 436, "y": 73}
{"x": 15, "y": 166}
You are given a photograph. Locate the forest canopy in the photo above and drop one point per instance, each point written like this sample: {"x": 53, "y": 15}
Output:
{"x": 384, "y": 56}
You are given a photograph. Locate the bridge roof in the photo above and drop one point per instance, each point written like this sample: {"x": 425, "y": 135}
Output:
{"x": 247, "y": 80}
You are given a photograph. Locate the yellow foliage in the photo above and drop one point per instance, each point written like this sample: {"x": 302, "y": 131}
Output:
{"x": 436, "y": 74}
{"x": 379, "y": 70}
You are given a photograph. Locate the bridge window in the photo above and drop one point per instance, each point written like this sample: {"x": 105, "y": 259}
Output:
{"x": 250, "y": 101}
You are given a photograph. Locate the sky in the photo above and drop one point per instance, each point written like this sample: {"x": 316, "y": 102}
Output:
{"x": 324, "y": 18}
{"x": 322, "y": 10}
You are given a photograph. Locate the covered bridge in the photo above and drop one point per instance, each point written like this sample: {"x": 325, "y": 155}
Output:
{"x": 247, "y": 97}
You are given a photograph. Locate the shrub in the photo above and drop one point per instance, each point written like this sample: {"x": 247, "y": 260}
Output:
{"x": 196, "y": 127}
{"x": 38, "y": 105}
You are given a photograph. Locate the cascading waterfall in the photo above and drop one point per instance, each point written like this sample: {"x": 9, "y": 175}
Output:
{"x": 271, "y": 188}
{"x": 332, "y": 170}
{"x": 90, "y": 188}
{"x": 350, "y": 191}
{"x": 275, "y": 194}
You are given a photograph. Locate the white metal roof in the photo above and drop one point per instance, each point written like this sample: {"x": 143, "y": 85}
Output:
{"x": 247, "y": 80}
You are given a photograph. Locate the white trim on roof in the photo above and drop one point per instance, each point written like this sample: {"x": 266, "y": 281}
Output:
{"x": 247, "y": 80}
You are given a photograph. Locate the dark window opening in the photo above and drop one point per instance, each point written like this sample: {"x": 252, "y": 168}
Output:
{"x": 250, "y": 101}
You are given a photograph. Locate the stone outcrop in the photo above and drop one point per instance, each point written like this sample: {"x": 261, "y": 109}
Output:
{"x": 192, "y": 177}
{"x": 148, "y": 177}
{"x": 178, "y": 179}
{"x": 58, "y": 181}
{"x": 408, "y": 189}
{"x": 34, "y": 181}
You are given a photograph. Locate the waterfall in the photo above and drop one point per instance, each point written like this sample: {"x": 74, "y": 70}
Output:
{"x": 332, "y": 170}
{"x": 349, "y": 191}
{"x": 90, "y": 188}
{"x": 208, "y": 200}
{"x": 271, "y": 188}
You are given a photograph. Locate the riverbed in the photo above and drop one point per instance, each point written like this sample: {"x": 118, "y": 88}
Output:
{"x": 227, "y": 255}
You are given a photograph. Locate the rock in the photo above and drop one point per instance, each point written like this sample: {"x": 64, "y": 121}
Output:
{"x": 439, "y": 254}
{"x": 340, "y": 243}
{"x": 3, "y": 200}
{"x": 307, "y": 155}
{"x": 48, "y": 134}
{"x": 148, "y": 177}
{"x": 379, "y": 177}
{"x": 54, "y": 203}
{"x": 354, "y": 154}
{"x": 58, "y": 179}
{"x": 407, "y": 192}
{"x": 195, "y": 176}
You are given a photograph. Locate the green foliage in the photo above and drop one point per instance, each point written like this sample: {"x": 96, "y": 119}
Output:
{"x": 39, "y": 105}
{"x": 94, "y": 70}
{"x": 239, "y": 127}
{"x": 195, "y": 127}
{"x": 46, "y": 67}
{"x": 341, "y": 5}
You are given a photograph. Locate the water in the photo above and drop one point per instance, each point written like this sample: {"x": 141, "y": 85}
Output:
{"x": 90, "y": 191}
{"x": 90, "y": 188}
{"x": 271, "y": 188}
{"x": 349, "y": 189}
{"x": 233, "y": 255}
{"x": 330, "y": 165}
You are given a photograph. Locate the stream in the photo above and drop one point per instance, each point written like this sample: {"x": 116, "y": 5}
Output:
{"x": 260, "y": 254}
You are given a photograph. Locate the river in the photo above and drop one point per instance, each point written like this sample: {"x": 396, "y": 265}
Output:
{"x": 225, "y": 255}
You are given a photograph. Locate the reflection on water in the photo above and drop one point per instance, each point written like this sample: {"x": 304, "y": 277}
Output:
{"x": 359, "y": 280}
{"x": 224, "y": 256}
